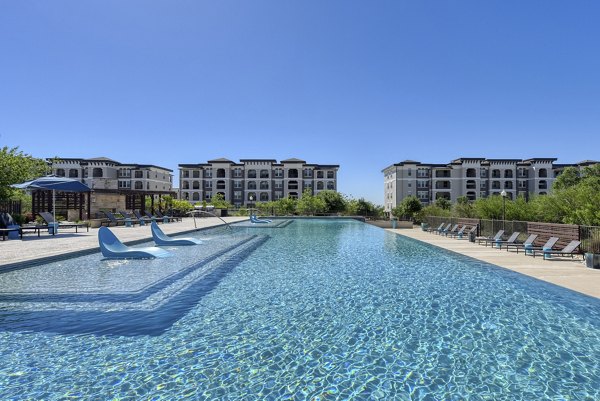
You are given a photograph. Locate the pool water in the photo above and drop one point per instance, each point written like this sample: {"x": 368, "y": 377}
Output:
{"x": 316, "y": 310}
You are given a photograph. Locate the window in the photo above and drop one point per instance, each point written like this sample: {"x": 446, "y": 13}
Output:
{"x": 319, "y": 174}
{"x": 185, "y": 185}
{"x": 278, "y": 195}
{"x": 264, "y": 185}
{"x": 264, "y": 197}
{"x": 422, "y": 184}
{"x": 543, "y": 184}
{"x": 196, "y": 185}
{"x": 237, "y": 184}
{"x": 330, "y": 185}
{"x": 195, "y": 196}
{"x": 221, "y": 173}
{"x": 220, "y": 184}
{"x": 278, "y": 184}
{"x": 208, "y": 184}
{"x": 409, "y": 173}
{"x": 471, "y": 172}
{"x": 208, "y": 196}
{"x": 278, "y": 173}
{"x": 186, "y": 174}
{"x": 293, "y": 185}
{"x": 139, "y": 174}
{"x": 471, "y": 184}
{"x": 237, "y": 173}
{"x": 496, "y": 173}
{"x": 495, "y": 184}
{"x": 308, "y": 173}
{"x": 237, "y": 195}
{"x": 251, "y": 173}
{"x": 292, "y": 173}
{"x": 294, "y": 195}
{"x": 471, "y": 195}
{"x": 196, "y": 173}
{"x": 208, "y": 174}
{"x": 330, "y": 174}
{"x": 508, "y": 174}
{"x": 251, "y": 184}
{"x": 508, "y": 185}
{"x": 264, "y": 173}
{"x": 73, "y": 173}
{"x": 251, "y": 196}
{"x": 97, "y": 172}
{"x": 320, "y": 185}
{"x": 543, "y": 173}
{"x": 60, "y": 172}
{"x": 139, "y": 185}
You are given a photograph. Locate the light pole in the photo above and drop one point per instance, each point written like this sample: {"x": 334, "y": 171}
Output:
{"x": 251, "y": 199}
{"x": 503, "y": 193}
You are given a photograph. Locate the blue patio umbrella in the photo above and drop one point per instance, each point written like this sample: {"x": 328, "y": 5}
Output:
{"x": 54, "y": 183}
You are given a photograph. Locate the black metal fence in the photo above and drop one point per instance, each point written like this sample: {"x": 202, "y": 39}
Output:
{"x": 588, "y": 235}
{"x": 12, "y": 207}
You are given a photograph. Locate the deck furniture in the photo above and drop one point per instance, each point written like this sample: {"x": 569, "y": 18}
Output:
{"x": 112, "y": 219}
{"x": 432, "y": 230}
{"x": 8, "y": 227}
{"x": 570, "y": 250}
{"x": 452, "y": 230}
{"x": 170, "y": 218}
{"x": 142, "y": 219}
{"x": 49, "y": 219}
{"x": 112, "y": 248}
{"x": 524, "y": 245}
{"x": 511, "y": 240}
{"x": 161, "y": 239}
{"x": 487, "y": 240}
{"x": 548, "y": 246}
{"x": 132, "y": 219}
{"x": 439, "y": 232}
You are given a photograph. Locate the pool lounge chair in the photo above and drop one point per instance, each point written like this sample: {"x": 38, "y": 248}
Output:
{"x": 570, "y": 250}
{"x": 439, "y": 232}
{"x": 548, "y": 245}
{"x": 112, "y": 219}
{"x": 49, "y": 219}
{"x": 8, "y": 226}
{"x": 134, "y": 220}
{"x": 452, "y": 230}
{"x": 154, "y": 218}
{"x": 467, "y": 235}
{"x": 162, "y": 216}
{"x": 457, "y": 233}
{"x": 487, "y": 240}
{"x": 511, "y": 240}
{"x": 521, "y": 245}
{"x": 142, "y": 218}
{"x": 433, "y": 230}
{"x": 112, "y": 248}
{"x": 161, "y": 239}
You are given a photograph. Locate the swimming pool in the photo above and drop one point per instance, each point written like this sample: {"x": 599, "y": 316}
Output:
{"x": 314, "y": 310}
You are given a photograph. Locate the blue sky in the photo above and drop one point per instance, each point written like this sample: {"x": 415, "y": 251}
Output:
{"x": 360, "y": 84}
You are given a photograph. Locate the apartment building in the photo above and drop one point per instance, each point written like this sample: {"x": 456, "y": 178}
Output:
{"x": 254, "y": 180}
{"x": 471, "y": 177}
{"x": 116, "y": 185}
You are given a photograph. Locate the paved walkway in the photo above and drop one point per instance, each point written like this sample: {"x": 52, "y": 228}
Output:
{"x": 32, "y": 247}
{"x": 565, "y": 272}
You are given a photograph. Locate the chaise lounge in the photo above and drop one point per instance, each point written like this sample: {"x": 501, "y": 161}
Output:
{"x": 49, "y": 219}
{"x": 569, "y": 250}
{"x": 112, "y": 248}
{"x": 524, "y": 245}
{"x": 493, "y": 239}
{"x": 161, "y": 239}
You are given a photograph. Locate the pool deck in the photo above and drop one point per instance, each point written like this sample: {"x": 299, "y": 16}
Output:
{"x": 565, "y": 272}
{"x": 33, "y": 247}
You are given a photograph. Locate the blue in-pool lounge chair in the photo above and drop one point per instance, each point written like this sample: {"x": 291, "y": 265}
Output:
{"x": 8, "y": 227}
{"x": 112, "y": 248}
{"x": 161, "y": 238}
{"x": 254, "y": 219}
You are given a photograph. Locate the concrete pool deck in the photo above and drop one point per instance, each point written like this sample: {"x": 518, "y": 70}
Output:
{"x": 565, "y": 272}
{"x": 66, "y": 241}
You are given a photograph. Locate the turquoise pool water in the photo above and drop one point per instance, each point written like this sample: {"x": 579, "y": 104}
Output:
{"x": 321, "y": 310}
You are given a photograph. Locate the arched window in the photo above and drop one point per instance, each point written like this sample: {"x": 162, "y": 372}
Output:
{"x": 471, "y": 184}
{"x": 543, "y": 184}
{"x": 185, "y": 185}
{"x": 330, "y": 174}
{"x": 220, "y": 184}
{"x": 495, "y": 184}
{"x": 264, "y": 197}
{"x": 319, "y": 174}
{"x": 293, "y": 185}
{"x": 543, "y": 173}
{"x": 251, "y": 196}
{"x": 471, "y": 196}
{"x": 60, "y": 172}
{"x": 264, "y": 185}
{"x": 508, "y": 174}
{"x": 221, "y": 173}
{"x": 320, "y": 185}
{"x": 293, "y": 173}
{"x": 97, "y": 172}
{"x": 293, "y": 195}
{"x": 222, "y": 194}
{"x": 471, "y": 172}
{"x": 251, "y": 185}
{"x": 264, "y": 173}
{"x": 73, "y": 173}
{"x": 251, "y": 173}
{"x": 330, "y": 185}
{"x": 196, "y": 196}
{"x": 508, "y": 185}
{"x": 496, "y": 173}
{"x": 139, "y": 185}
{"x": 196, "y": 185}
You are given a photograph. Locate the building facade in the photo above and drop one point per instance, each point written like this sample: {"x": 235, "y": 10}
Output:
{"x": 471, "y": 177}
{"x": 116, "y": 186}
{"x": 254, "y": 180}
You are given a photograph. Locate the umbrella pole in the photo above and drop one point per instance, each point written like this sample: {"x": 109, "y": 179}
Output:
{"x": 54, "y": 211}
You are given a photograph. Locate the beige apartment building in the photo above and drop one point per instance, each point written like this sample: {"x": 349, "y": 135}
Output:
{"x": 254, "y": 180}
{"x": 116, "y": 186}
{"x": 471, "y": 177}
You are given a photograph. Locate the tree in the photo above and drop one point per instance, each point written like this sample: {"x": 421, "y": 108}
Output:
{"x": 443, "y": 203}
{"x": 285, "y": 206}
{"x": 567, "y": 179}
{"x": 463, "y": 207}
{"x": 17, "y": 167}
{"x": 408, "y": 208}
{"x": 219, "y": 202}
{"x": 309, "y": 204}
{"x": 181, "y": 206}
{"x": 334, "y": 201}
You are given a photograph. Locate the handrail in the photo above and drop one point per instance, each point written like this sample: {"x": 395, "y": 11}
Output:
{"x": 193, "y": 213}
